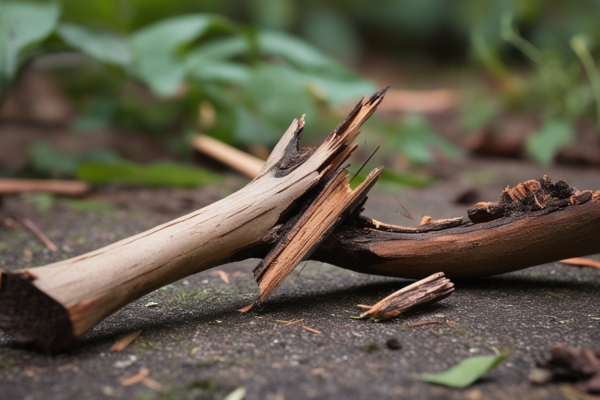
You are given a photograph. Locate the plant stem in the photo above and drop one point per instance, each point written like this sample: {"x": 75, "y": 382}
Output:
{"x": 579, "y": 47}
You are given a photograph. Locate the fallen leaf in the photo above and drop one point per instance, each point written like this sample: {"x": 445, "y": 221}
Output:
{"x": 125, "y": 341}
{"x": 139, "y": 377}
{"x": 465, "y": 372}
{"x": 588, "y": 262}
{"x": 311, "y": 329}
{"x": 151, "y": 304}
{"x": 237, "y": 394}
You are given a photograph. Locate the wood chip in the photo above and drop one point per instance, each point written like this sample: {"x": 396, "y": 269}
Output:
{"x": 311, "y": 329}
{"x": 125, "y": 341}
{"x": 425, "y": 323}
{"x": 428, "y": 290}
{"x": 152, "y": 384}
{"x": 223, "y": 275}
{"x": 137, "y": 378}
{"x": 588, "y": 262}
{"x": 65, "y": 367}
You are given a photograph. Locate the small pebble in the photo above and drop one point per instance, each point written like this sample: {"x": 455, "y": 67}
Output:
{"x": 393, "y": 344}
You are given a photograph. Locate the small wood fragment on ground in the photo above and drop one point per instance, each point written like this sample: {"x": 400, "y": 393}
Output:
{"x": 431, "y": 289}
{"x": 38, "y": 233}
{"x": 311, "y": 329}
{"x": 578, "y": 364}
{"x": 581, "y": 261}
{"x": 125, "y": 341}
{"x": 137, "y": 378}
{"x": 223, "y": 275}
{"x": 416, "y": 324}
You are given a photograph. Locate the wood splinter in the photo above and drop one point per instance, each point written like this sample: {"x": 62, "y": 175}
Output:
{"x": 299, "y": 207}
{"x": 426, "y": 291}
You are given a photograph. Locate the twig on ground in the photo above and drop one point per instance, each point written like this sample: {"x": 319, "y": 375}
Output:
{"x": 230, "y": 156}
{"x": 416, "y": 324}
{"x": 588, "y": 262}
{"x": 125, "y": 341}
{"x": 65, "y": 188}
{"x": 137, "y": 378}
{"x": 421, "y": 101}
{"x": 311, "y": 329}
{"x": 223, "y": 275}
{"x": 37, "y": 232}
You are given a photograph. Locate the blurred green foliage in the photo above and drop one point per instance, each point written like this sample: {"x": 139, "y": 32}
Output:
{"x": 154, "y": 175}
{"x": 241, "y": 71}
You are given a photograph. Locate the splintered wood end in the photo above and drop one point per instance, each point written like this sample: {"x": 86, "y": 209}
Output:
{"x": 527, "y": 197}
{"x": 334, "y": 203}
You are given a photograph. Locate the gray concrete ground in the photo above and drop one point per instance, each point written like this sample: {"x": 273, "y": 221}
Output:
{"x": 197, "y": 346}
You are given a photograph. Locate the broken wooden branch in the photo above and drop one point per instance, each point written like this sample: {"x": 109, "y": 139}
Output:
{"x": 426, "y": 291}
{"x": 533, "y": 223}
{"x": 65, "y": 188}
{"x": 52, "y": 306}
{"x": 299, "y": 207}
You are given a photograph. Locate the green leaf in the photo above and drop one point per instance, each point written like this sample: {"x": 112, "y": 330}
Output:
{"x": 154, "y": 175}
{"x": 406, "y": 178}
{"x": 104, "y": 46}
{"x": 45, "y": 159}
{"x": 51, "y": 162}
{"x": 554, "y": 134}
{"x": 251, "y": 128}
{"x": 279, "y": 95}
{"x": 300, "y": 54}
{"x": 155, "y": 48}
{"x": 478, "y": 113}
{"x": 465, "y": 372}
{"x": 217, "y": 50}
{"x": 295, "y": 51}
{"x": 22, "y": 24}
{"x": 415, "y": 139}
{"x": 337, "y": 91}
{"x": 225, "y": 72}
{"x": 209, "y": 62}
{"x": 98, "y": 114}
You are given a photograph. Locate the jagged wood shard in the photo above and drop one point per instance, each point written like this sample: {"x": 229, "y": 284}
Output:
{"x": 426, "y": 291}
{"x": 534, "y": 223}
